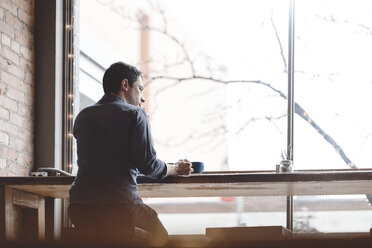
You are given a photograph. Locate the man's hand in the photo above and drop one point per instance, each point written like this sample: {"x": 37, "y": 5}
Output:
{"x": 182, "y": 167}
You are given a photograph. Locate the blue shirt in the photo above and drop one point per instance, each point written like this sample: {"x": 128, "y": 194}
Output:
{"x": 114, "y": 144}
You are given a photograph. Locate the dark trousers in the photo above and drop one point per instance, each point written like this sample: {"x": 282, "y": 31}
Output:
{"x": 120, "y": 222}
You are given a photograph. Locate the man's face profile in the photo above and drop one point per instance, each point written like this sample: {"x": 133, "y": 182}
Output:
{"x": 134, "y": 93}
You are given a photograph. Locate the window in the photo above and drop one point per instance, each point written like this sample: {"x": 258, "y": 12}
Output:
{"x": 215, "y": 76}
{"x": 332, "y": 85}
{"x": 211, "y": 82}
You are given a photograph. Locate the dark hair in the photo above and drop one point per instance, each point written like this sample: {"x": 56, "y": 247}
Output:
{"x": 116, "y": 73}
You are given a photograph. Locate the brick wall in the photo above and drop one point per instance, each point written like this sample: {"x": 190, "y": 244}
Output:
{"x": 16, "y": 87}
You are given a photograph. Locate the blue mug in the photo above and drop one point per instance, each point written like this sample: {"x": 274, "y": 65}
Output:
{"x": 198, "y": 167}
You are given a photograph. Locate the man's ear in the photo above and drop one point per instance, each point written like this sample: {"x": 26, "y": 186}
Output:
{"x": 124, "y": 85}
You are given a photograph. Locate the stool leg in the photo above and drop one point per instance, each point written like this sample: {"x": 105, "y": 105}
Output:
{"x": 9, "y": 214}
{"x": 41, "y": 218}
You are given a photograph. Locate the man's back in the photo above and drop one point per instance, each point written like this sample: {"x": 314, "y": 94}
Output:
{"x": 113, "y": 140}
{"x": 113, "y": 143}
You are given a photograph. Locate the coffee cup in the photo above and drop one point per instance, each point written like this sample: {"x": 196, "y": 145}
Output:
{"x": 198, "y": 167}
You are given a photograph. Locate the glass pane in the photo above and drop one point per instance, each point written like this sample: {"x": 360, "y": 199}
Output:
{"x": 197, "y": 214}
{"x": 333, "y": 84}
{"x": 216, "y": 85}
{"x": 333, "y": 87}
{"x": 332, "y": 214}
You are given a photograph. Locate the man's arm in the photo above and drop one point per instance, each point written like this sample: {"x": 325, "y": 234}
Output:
{"x": 142, "y": 149}
{"x": 144, "y": 154}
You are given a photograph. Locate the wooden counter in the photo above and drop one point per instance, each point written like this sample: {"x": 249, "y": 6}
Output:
{"x": 30, "y": 192}
{"x": 220, "y": 184}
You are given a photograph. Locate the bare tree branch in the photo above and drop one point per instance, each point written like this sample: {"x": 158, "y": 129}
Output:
{"x": 279, "y": 42}
{"x": 298, "y": 110}
{"x": 163, "y": 31}
{"x": 216, "y": 80}
{"x": 332, "y": 19}
{"x": 304, "y": 115}
{"x": 268, "y": 118}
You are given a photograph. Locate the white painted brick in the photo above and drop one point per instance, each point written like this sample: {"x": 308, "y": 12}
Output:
{"x": 15, "y": 47}
{"x": 5, "y": 39}
{"x": 17, "y": 86}
{"x": 4, "y": 138}
{"x": 25, "y": 52}
{"x": 9, "y": 54}
{"x": 1, "y": 13}
{"x": 2, "y": 163}
{"x": 4, "y": 113}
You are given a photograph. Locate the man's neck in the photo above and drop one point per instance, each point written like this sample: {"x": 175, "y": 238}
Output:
{"x": 119, "y": 94}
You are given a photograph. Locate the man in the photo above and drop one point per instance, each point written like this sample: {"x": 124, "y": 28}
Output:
{"x": 114, "y": 143}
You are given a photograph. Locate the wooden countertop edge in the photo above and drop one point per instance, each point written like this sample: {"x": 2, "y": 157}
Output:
{"x": 214, "y": 177}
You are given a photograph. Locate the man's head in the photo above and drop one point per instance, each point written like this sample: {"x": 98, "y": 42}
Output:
{"x": 125, "y": 81}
